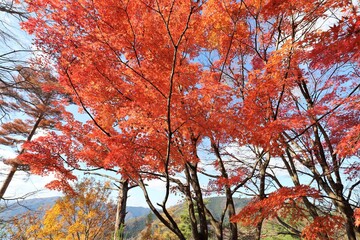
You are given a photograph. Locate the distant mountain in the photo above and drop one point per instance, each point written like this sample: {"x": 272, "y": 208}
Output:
{"x": 134, "y": 212}
{"x": 14, "y": 208}
{"x": 215, "y": 204}
{"x": 136, "y": 218}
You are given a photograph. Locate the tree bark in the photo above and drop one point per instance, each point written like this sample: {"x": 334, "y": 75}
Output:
{"x": 191, "y": 207}
{"x": 121, "y": 210}
{"x": 203, "y": 228}
{"x": 263, "y": 167}
{"x": 229, "y": 199}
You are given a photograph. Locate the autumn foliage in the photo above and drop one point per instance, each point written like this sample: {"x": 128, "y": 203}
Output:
{"x": 85, "y": 214}
{"x": 28, "y": 104}
{"x": 323, "y": 227}
{"x": 286, "y": 202}
{"x": 179, "y": 90}
{"x": 357, "y": 216}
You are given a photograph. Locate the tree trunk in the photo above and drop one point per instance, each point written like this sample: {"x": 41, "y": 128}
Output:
{"x": 229, "y": 199}
{"x": 258, "y": 230}
{"x": 231, "y": 213}
{"x": 8, "y": 180}
{"x": 203, "y": 228}
{"x": 17, "y": 165}
{"x": 348, "y": 214}
{"x": 263, "y": 167}
{"x": 170, "y": 222}
{"x": 191, "y": 207}
{"x": 121, "y": 210}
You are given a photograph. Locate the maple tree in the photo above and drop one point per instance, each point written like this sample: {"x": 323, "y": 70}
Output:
{"x": 85, "y": 214}
{"x": 164, "y": 81}
{"x": 61, "y": 155}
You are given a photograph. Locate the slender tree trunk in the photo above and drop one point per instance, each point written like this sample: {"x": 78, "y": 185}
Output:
{"x": 217, "y": 227}
{"x": 263, "y": 167}
{"x": 121, "y": 210}
{"x": 203, "y": 228}
{"x": 191, "y": 207}
{"x": 193, "y": 221}
{"x": 258, "y": 230}
{"x": 8, "y": 180}
{"x": 334, "y": 188}
{"x": 169, "y": 222}
{"x": 348, "y": 214}
{"x": 15, "y": 165}
{"x": 231, "y": 213}
{"x": 229, "y": 199}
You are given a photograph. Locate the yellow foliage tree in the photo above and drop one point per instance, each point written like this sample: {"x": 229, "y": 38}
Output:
{"x": 83, "y": 215}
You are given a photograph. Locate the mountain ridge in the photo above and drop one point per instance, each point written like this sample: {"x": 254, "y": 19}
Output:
{"x": 13, "y": 208}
